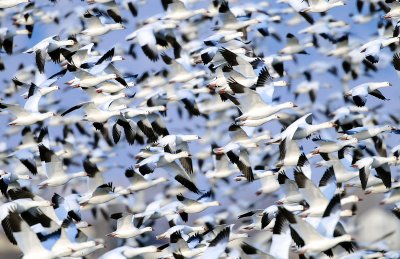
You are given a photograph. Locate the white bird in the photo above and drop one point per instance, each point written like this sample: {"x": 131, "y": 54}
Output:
{"x": 360, "y": 92}
{"x": 125, "y": 227}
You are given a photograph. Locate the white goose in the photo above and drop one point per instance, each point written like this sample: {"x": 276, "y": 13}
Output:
{"x": 28, "y": 241}
{"x": 139, "y": 183}
{"x": 362, "y": 133}
{"x": 195, "y": 206}
{"x": 309, "y": 240}
{"x": 294, "y": 47}
{"x": 51, "y": 46}
{"x": 11, "y": 3}
{"x": 93, "y": 113}
{"x": 125, "y": 227}
{"x": 167, "y": 162}
{"x": 183, "y": 229}
{"x": 320, "y": 6}
{"x": 54, "y": 169}
{"x": 85, "y": 79}
{"x": 103, "y": 193}
{"x": 25, "y": 117}
{"x": 360, "y": 92}
{"x": 96, "y": 28}
{"x": 176, "y": 10}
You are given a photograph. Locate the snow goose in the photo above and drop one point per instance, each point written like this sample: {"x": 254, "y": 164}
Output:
{"x": 329, "y": 146}
{"x": 229, "y": 20}
{"x": 52, "y": 46}
{"x": 320, "y": 6}
{"x": 11, "y": 3}
{"x": 183, "y": 229}
{"x": 221, "y": 168}
{"x": 362, "y": 133}
{"x": 25, "y": 117}
{"x": 147, "y": 37}
{"x": 336, "y": 168}
{"x": 96, "y": 28}
{"x": 27, "y": 240}
{"x": 290, "y": 154}
{"x": 125, "y": 227}
{"x": 68, "y": 207}
{"x": 7, "y": 38}
{"x": 380, "y": 164}
{"x": 307, "y": 238}
{"x": 393, "y": 197}
{"x": 254, "y": 108}
{"x": 394, "y": 10}
{"x": 312, "y": 194}
{"x": 93, "y": 113}
{"x": 289, "y": 190}
{"x": 44, "y": 87}
{"x": 195, "y": 206}
{"x": 139, "y": 183}
{"x": 18, "y": 206}
{"x": 103, "y": 193}
{"x": 174, "y": 143}
{"x": 168, "y": 163}
{"x": 178, "y": 73}
{"x": 176, "y": 10}
{"x": 251, "y": 250}
{"x": 136, "y": 251}
{"x": 54, "y": 169}
{"x": 240, "y": 157}
{"x": 294, "y": 47}
{"x": 360, "y": 92}
{"x": 85, "y": 79}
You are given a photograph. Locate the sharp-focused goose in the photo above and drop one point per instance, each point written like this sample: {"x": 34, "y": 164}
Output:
{"x": 360, "y": 92}
{"x": 362, "y": 133}
{"x": 125, "y": 227}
